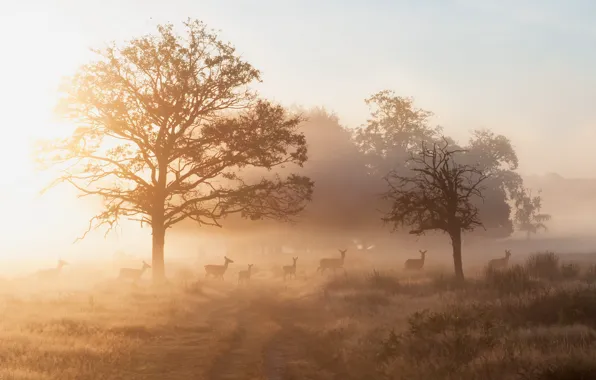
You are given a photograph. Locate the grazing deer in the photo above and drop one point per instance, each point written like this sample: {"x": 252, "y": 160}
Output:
{"x": 501, "y": 262}
{"x": 290, "y": 270}
{"x": 244, "y": 275}
{"x": 217, "y": 271}
{"x": 416, "y": 264}
{"x": 334, "y": 264}
{"x": 133, "y": 274}
{"x": 52, "y": 273}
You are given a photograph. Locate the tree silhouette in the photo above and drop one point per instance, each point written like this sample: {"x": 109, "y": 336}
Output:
{"x": 496, "y": 156}
{"x": 438, "y": 195}
{"x": 528, "y": 215}
{"x": 167, "y": 126}
{"x": 395, "y": 128}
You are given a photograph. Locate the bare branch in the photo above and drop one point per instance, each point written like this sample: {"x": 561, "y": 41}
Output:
{"x": 437, "y": 195}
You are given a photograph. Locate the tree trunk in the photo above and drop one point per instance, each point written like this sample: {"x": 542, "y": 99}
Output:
{"x": 457, "y": 261}
{"x": 157, "y": 263}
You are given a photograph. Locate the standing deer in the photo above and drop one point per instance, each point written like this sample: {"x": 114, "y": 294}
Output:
{"x": 334, "y": 263}
{"x": 48, "y": 274}
{"x": 133, "y": 274}
{"x": 244, "y": 275}
{"x": 217, "y": 271}
{"x": 416, "y": 264}
{"x": 501, "y": 262}
{"x": 290, "y": 270}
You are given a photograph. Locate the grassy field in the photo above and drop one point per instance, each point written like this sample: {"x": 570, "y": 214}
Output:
{"x": 535, "y": 320}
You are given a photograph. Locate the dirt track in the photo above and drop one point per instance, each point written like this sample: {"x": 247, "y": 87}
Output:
{"x": 248, "y": 333}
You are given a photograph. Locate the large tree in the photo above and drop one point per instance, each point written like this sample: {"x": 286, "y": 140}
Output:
{"x": 395, "y": 128}
{"x": 437, "y": 194}
{"x": 167, "y": 125}
{"x": 496, "y": 156}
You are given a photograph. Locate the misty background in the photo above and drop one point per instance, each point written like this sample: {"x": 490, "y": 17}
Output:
{"x": 520, "y": 69}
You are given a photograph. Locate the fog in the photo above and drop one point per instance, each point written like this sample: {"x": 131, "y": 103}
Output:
{"x": 226, "y": 209}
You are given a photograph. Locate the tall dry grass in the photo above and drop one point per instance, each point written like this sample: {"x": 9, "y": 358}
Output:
{"x": 535, "y": 320}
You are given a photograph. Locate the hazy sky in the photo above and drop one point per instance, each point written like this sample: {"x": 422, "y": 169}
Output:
{"x": 521, "y": 68}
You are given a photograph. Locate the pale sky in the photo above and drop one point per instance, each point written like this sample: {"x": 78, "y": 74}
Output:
{"x": 522, "y": 68}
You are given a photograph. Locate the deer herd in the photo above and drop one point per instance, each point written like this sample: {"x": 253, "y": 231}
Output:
{"x": 218, "y": 271}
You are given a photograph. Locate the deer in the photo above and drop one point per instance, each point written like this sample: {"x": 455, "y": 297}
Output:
{"x": 133, "y": 274}
{"x": 52, "y": 273}
{"x": 328, "y": 263}
{"x": 416, "y": 264}
{"x": 500, "y": 262}
{"x": 290, "y": 270}
{"x": 244, "y": 275}
{"x": 217, "y": 271}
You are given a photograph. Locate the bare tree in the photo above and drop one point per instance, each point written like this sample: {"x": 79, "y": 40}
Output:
{"x": 437, "y": 196}
{"x": 166, "y": 127}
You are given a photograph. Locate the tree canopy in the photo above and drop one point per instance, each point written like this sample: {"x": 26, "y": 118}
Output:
{"x": 437, "y": 194}
{"x": 166, "y": 125}
{"x": 397, "y": 127}
{"x": 529, "y": 215}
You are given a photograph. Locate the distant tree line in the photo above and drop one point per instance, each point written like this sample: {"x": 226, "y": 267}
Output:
{"x": 169, "y": 131}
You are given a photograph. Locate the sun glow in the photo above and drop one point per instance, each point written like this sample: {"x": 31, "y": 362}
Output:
{"x": 37, "y": 55}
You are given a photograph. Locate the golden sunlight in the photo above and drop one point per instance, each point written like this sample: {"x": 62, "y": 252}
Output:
{"x": 40, "y": 55}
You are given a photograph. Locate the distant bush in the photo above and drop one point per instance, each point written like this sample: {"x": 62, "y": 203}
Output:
{"x": 543, "y": 265}
{"x": 562, "y": 306}
{"x": 440, "y": 343}
{"x": 512, "y": 280}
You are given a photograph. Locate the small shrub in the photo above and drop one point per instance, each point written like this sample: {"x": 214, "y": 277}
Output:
{"x": 444, "y": 341}
{"x": 569, "y": 271}
{"x": 512, "y": 280}
{"x": 543, "y": 265}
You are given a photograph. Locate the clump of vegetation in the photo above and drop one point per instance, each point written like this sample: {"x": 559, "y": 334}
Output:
{"x": 513, "y": 280}
{"x": 559, "y": 306}
{"x": 457, "y": 341}
{"x": 543, "y": 265}
{"x": 444, "y": 342}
